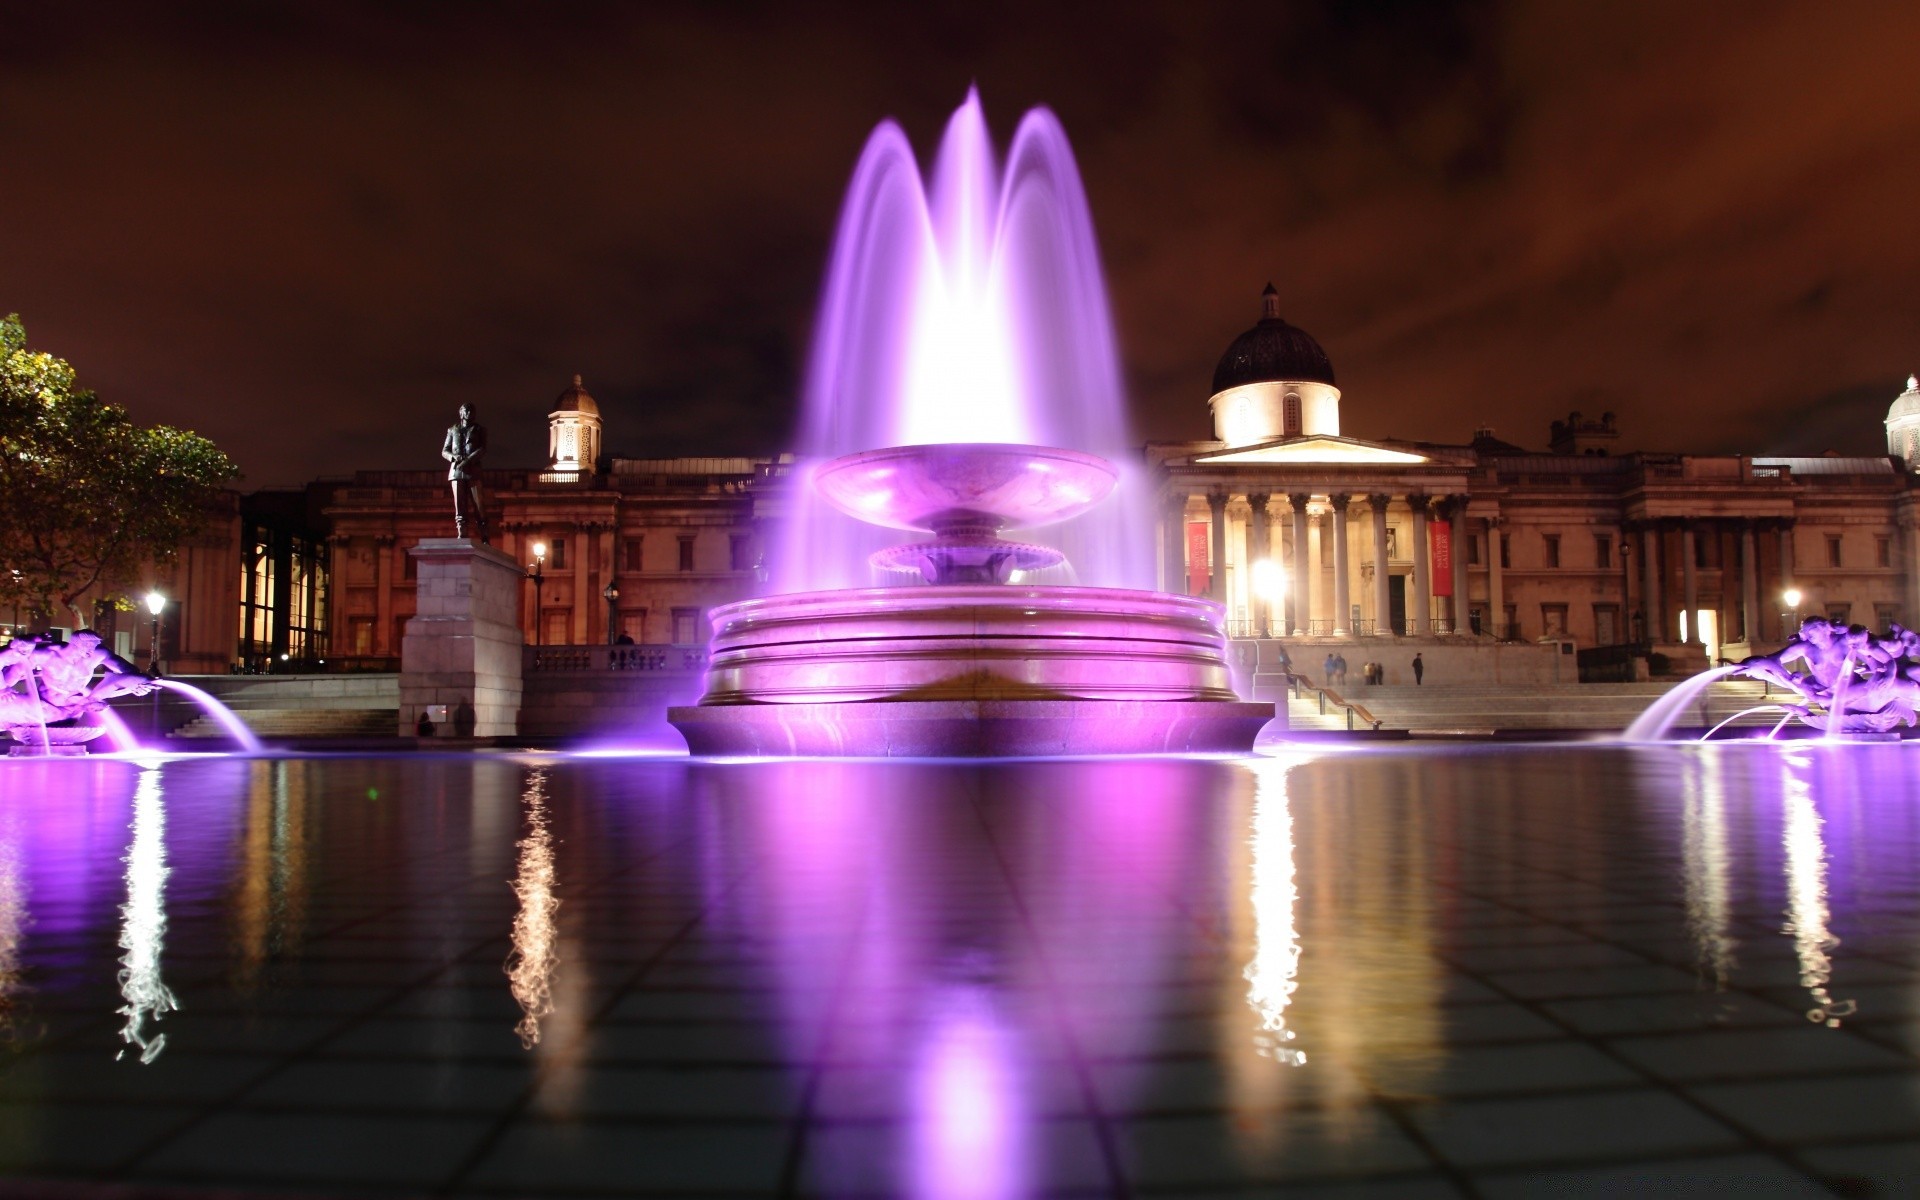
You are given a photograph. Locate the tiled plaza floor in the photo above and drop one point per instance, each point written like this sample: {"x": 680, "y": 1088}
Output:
{"x": 1539, "y": 971}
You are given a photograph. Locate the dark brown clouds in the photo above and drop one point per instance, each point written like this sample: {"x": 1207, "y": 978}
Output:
{"x": 311, "y": 235}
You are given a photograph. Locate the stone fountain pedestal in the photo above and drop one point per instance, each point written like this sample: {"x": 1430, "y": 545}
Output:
{"x": 462, "y": 646}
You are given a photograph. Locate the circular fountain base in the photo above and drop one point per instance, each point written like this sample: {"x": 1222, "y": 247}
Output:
{"x": 969, "y": 670}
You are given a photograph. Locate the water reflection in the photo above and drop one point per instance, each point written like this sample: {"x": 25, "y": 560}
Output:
{"x": 531, "y": 962}
{"x": 271, "y": 897}
{"x": 1703, "y": 849}
{"x": 143, "y": 922}
{"x": 13, "y": 919}
{"x": 969, "y": 1126}
{"x": 1806, "y": 866}
{"x": 1272, "y": 974}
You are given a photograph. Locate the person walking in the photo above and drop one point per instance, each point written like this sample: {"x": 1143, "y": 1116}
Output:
{"x": 1327, "y": 669}
{"x": 1340, "y": 668}
{"x": 1419, "y": 669}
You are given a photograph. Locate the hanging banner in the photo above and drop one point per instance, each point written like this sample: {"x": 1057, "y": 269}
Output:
{"x": 1197, "y": 573}
{"x": 1440, "y": 537}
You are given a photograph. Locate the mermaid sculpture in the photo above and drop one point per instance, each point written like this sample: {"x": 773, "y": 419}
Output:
{"x": 48, "y": 689}
{"x": 1852, "y": 681}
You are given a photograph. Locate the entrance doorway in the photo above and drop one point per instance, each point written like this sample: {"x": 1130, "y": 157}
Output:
{"x": 1397, "y": 605}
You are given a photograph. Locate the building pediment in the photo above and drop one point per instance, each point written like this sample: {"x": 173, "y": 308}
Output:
{"x": 1314, "y": 448}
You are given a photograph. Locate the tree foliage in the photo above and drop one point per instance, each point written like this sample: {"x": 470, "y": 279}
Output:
{"x": 86, "y": 495}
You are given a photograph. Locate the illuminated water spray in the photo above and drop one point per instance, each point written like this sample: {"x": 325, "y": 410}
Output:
{"x": 534, "y": 955}
{"x": 967, "y": 306}
{"x": 143, "y": 922}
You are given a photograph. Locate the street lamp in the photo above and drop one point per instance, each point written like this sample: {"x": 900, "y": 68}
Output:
{"x": 156, "y": 604}
{"x": 1269, "y": 585}
{"x": 1791, "y": 598}
{"x": 610, "y": 594}
{"x": 537, "y": 569}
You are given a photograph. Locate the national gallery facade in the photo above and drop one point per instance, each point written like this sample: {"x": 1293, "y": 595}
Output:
{"x": 1299, "y": 531}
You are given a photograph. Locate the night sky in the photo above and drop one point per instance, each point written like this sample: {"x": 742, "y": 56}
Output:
{"x": 311, "y": 234}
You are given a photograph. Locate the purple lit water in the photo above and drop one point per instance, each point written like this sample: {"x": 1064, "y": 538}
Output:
{"x": 968, "y": 306}
{"x": 1531, "y": 971}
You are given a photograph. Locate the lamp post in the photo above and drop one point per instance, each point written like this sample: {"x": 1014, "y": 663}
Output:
{"x": 1791, "y": 598}
{"x": 156, "y": 604}
{"x": 1270, "y": 586}
{"x": 610, "y": 594}
{"x": 537, "y": 569}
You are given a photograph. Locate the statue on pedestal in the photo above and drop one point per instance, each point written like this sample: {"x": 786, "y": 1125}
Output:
{"x": 465, "y": 445}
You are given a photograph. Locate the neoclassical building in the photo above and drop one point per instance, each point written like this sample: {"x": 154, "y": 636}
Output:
{"x": 1304, "y": 532}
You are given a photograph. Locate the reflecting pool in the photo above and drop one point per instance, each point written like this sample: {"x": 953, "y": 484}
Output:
{"x": 1518, "y": 971}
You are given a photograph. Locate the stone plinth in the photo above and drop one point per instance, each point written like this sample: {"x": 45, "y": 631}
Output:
{"x": 462, "y": 646}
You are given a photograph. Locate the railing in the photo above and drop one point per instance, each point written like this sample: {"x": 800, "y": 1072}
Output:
{"x": 1299, "y": 684}
{"x": 615, "y": 658}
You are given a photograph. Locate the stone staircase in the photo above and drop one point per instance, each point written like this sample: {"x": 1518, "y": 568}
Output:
{"x": 1466, "y": 710}
{"x": 301, "y": 723}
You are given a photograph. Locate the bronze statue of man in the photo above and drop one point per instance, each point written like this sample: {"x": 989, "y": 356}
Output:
{"x": 465, "y": 445}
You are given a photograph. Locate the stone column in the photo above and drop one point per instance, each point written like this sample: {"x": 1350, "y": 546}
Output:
{"x": 1259, "y": 549}
{"x": 1217, "y": 511}
{"x": 462, "y": 646}
{"x": 1422, "y": 571}
{"x": 1173, "y": 546}
{"x": 1459, "y": 557}
{"x": 383, "y": 596}
{"x": 1496, "y": 582}
{"x": 1342, "y": 593}
{"x": 1302, "y": 611}
{"x": 1690, "y": 585}
{"x": 1382, "y": 604}
{"x": 1316, "y": 573}
{"x": 1656, "y": 624}
{"x": 1749, "y": 584}
{"x": 1786, "y": 566}
{"x": 1908, "y": 522}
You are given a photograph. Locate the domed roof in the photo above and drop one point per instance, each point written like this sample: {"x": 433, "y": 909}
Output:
{"x": 1907, "y": 404}
{"x": 575, "y": 399}
{"x": 1272, "y": 351}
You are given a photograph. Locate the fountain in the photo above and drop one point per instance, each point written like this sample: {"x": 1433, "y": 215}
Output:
{"x": 964, "y": 338}
{"x": 1852, "y": 683}
{"x": 52, "y": 703}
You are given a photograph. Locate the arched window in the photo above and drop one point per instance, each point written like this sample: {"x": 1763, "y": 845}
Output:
{"x": 1290, "y": 415}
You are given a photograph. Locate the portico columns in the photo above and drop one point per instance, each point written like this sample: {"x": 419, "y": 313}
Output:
{"x": 1422, "y": 570}
{"x": 1382, "y": 604}
{"x": 1259, "y": 549}
{"x": 1457, "y": 557}
{"x": 1173, "y": 546}
{"x": 1749, "y": 585}
{"x": 1302, "y": 613}
{"x": 1342, "y": 598}
{"x": 1690, "y": 586}
{"x": 1650, "y": 583}
{"x": 1316, "y": 578}
{"x": 1217, "y": 578}
{"x": 1496, "y": 582}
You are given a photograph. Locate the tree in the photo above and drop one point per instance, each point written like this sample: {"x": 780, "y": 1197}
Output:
{"x": 86, "y": 495}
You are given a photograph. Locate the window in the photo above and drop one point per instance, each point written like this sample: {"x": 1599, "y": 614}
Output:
{"x": 409, "y": 565}
{"x": 633, "y": 623}
{"x": 1606, "y": 625}
{"x": 1833, "y": 549}
{"x": 630, "y": 550}
{"x": 740, "y": 552}
{"x": 1553, "y": 560}
{"x": 686, "y": 552}
{"x": 1602, "y": 555}
{"x": 1884, "y": 615}
{"x": 1553, "y": 620}
{"x": 1473, "y": 549}
{"x": 557, "y": 554}
{"x": 1290, "y": 414}
{"x": 1840, "y": 614}
{"x": 556, "y": 627}
{"x": 685, "y": 625}
{"x": 1883, "y": 554}
{"x": 1506, "y": 551}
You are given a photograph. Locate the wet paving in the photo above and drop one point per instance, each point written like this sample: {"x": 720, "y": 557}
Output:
{"x": 1552, "y": 970}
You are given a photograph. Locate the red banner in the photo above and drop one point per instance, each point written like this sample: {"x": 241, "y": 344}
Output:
{"x": 1197, "y": 574}
{"x": 1440, "y": 536}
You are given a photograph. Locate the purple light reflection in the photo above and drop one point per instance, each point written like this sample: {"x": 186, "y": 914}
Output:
{"x": 969, "y": 1124}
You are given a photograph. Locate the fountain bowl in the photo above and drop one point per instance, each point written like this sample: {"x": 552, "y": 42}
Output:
{"x": 61, "y": 740}
{"x": 966, "y": 488}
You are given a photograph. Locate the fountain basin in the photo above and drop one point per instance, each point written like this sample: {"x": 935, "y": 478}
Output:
{"x": 60, "y": 741}
{"x": 969, "y": 670}
{"x": 965, "y": 487}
